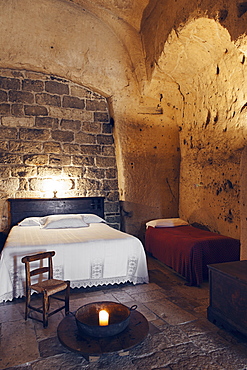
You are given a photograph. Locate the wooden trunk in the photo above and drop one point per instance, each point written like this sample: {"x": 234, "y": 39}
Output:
{"x": 228, "y": 295}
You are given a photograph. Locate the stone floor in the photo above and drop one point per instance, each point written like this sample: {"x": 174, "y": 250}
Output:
{"x": 180, "y": 336}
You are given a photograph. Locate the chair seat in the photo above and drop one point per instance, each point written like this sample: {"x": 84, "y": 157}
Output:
{"x": 51, "y": 286}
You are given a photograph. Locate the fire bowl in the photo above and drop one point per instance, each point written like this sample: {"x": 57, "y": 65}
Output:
{"x": 87, "y": 318}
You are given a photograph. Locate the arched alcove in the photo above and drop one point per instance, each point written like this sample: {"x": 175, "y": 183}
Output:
{"x": 55, "y": 136}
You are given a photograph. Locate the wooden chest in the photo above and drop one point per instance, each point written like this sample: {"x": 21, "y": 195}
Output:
{"x": 228, "y": 295}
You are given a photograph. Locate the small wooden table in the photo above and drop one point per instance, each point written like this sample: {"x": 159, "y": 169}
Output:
{"x": 92, "y": 348}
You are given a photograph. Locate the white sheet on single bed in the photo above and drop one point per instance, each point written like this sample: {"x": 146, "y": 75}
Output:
{"x": 87, "y": 256}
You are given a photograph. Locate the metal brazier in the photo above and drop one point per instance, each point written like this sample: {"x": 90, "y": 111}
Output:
{"x": 87, "y": 318}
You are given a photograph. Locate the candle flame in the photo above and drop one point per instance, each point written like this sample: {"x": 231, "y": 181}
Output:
{"x": 103, "y": 318}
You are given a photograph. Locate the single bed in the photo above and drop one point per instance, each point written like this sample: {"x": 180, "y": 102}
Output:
{"x": 88, "y": 251}
{"x": 188, "y": 250}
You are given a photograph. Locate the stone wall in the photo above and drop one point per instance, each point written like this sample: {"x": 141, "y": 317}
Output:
{"x": 54, "y": 136}
{"x": 91, "y": 47}
{"x": 211, "y": 79}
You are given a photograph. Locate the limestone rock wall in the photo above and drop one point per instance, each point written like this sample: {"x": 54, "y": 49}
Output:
{"x": 208, "y": 70}
{"x": 55, "y": 135}
{"x": 148, "y": 154}
{"x": 200, "y": 51}
{"x": 174, "y": 74}
{"x": 213, "y": 130}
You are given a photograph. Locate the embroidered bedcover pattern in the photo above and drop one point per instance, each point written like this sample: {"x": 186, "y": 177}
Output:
{"x": 189, "y": 250}
{"x": 88, "y": 256}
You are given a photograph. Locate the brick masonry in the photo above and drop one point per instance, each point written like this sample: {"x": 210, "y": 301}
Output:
{"x": 51, "y": 128}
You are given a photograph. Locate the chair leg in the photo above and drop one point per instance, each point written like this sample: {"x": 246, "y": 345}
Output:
{"x": 27, "y": 303}
{"x": 45, "y": 309}
{"x": 67, "y": 292}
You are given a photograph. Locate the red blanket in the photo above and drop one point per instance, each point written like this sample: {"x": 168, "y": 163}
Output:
{"x": 189, "y": 250}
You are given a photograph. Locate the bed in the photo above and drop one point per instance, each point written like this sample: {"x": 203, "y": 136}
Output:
{"x": 88, "y": 251}
{"x": 188, "y": 250}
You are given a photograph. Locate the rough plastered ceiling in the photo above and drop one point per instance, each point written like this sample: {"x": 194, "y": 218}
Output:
{"x": 130, "y": 11}
{"x": 154, "y": 20}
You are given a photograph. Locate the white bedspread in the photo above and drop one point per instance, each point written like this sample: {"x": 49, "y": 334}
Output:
{"x": 87, "y": 256}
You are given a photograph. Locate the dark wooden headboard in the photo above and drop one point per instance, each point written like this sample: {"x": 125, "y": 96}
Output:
{"x": 26, "y": 207}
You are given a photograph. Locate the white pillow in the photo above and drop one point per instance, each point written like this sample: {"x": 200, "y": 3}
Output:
{"x": 91, "y": 218}
{"x": 30, "y": 221}
{"x": 167, "y": 222}
{"x": 64, "y": 221}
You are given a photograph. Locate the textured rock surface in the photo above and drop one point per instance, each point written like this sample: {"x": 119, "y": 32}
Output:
{"x": 174, "y": 75}
{"x": 55, "y": 135}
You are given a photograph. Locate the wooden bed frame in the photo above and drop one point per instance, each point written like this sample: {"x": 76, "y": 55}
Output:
{"x": 20, "y": 208}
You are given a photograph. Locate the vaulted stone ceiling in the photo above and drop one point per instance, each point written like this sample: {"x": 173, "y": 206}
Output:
{"x": 143, "y": 29}
{"x": 154, "y": 20}
{"x": 128, "y": 11}
{"x": 185, "y": 57}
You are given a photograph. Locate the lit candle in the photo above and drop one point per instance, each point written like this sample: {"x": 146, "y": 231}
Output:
{"x": 103, "y": 318}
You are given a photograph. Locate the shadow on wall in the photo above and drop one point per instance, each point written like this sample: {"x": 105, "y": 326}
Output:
{"x": 135, "y": 215}
{"x": 209, "y": 222}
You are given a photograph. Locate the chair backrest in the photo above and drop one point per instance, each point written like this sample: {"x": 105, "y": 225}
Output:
{"x": 41, "y": 269}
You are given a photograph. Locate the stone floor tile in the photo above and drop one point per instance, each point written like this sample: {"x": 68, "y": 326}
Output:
{"x": 23, "y": 367}
{"x": 166, "y": 277}
{"x": 167, "y": 358}
{"x": 20, "y": 306}
{"x": 148, "y": 296}
{"x": 153, "y": 329}
{"x": 51, "y": 330}
{"x": 210, "y": 342}
{"x": 99, "y": 297}
{"x": 10, "y": 313}
{"x": 18, "y": 343}
{"x": 108, "y": 297}
{"x": 122, "y": 296}
{"x": 169, "y": 312}
{"x": 152, "y": 343}
{"x": 88, "y": 294}
{"x": 181, "y": 352}
{"x": 193, "y": 291}
{"x": 175, "y": 335}
{"x": 51, "y": 347}
{"x": 142, "y": 288}
{"x": 66, "y": 361}
{"x": 184, "y": 304}
{"x": 154, "y": 361}
{"x": 196, "y": 327}
{"x": 200, "y": 311}
{"x": 158, "y": 323}
{"x": 114, "y": 362}
{"x": 149, "y": 315}
{"x": 231, "y": 358}
{"x": 197, "y": 362}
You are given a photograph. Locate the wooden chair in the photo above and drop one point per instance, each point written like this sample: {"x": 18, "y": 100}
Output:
{"x": 47, "y": 287}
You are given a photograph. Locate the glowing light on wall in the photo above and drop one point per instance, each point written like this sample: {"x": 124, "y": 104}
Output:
{"x": 52, "y": 188}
